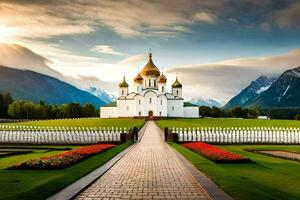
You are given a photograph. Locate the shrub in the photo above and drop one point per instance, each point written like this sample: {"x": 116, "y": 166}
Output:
{"x": 64, "y": 160}
{"x": 214, "y": 153}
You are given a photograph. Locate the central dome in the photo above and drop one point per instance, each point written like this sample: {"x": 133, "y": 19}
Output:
{"x": 150, "y": 69}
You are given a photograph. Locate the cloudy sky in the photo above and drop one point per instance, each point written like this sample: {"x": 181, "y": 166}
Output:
{"x": 216, "y": 47}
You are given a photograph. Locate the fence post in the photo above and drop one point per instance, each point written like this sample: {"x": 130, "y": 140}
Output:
{"x": 166, "y": 133}
{"x": 135, "y": 134}
{"x": 175, "y": 137}
{"x": 123, "y": 137}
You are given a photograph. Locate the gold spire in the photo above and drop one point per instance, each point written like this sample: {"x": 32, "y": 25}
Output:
{"x": 162, "y": 78}
{"x": 138, "y": 79}
{"x": 123, "y": 83}
{"x": 150, "y": 68}
{"x": 176, "y": 84}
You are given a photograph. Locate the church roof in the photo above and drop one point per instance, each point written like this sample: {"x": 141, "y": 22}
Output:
{"x": 123, "y": 83}
{"x": 150, "y": 68}
{"x": 176, "y": 84}
{"x": 138, "y": 79}
{"x": 162, "y": 79}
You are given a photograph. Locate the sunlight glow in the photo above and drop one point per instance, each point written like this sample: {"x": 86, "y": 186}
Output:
{"x": 6, "y": 33}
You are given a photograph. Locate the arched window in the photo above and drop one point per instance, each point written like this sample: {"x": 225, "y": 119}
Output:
{"x": 127, "y": 107}
{"x": 154, "y": 83}
{"x": 159, "y": 113}
{"x": 149, "y": 82}
{"x": 161, "y": 101}
{"x": 173, "y": 108}
{"x": 140, "y": 113}
{"x": 177, "y": 92}
{"x": 139, "y": 102}
{"x": 122, "y": 92}
{"x": 150, "y": 100}
{"x": 162, "y": 88}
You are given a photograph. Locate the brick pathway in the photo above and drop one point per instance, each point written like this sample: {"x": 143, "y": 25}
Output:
{"x": 150, "y": 170}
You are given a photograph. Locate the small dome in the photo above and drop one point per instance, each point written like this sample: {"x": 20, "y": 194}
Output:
{"x": 176, "y": 84}
{"x": 123, "y": 83}
{"x": 138, "y": 79}
{"x": 150, "y": 68}
{"x": 162, "y": 79}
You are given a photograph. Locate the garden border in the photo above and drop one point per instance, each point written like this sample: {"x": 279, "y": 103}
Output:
{"x": 71, "y": 191}
{"x": 214, "y": 191}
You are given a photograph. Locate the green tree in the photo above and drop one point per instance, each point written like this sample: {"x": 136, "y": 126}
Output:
{"x": 205, "y": 111}
{"x": 89, "y": 110}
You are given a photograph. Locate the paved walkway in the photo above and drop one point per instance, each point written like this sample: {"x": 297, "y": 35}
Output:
{"x": 150, "y": 170}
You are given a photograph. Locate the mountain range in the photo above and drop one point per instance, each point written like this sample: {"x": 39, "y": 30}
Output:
{"x": 205, "y": 102}
{"x": 283, "y": 93}
{"x": 101, "y": 94}
{"x": 256, "y": 87}
{"x": 35, "y": 87}
{"x": 266, "y": 92}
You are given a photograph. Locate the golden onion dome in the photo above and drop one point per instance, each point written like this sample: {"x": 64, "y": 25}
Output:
{"x": 138, "y": 79}
{"x": 150, "y": 68}
{"x": 123, "y": 83}
{"x": 176, "y": 84}
{"x": 162, "y": 79}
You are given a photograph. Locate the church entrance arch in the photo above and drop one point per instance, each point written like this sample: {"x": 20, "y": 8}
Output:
{"x": 150, "y": 114}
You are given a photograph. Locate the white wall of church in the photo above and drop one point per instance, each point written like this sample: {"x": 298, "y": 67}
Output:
{"x": 109, "y": 112}
{"x": 162, "y": 108}
{"x": 191, "y": 112}
{"x": 126, "y": 108}
{"x": 175, "y": 108}
{"x": 150, "y": 103}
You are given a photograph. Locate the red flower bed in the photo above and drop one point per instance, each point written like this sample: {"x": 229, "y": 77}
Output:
{"x": 64, "y": 160}
{"x": 214, "y": 153}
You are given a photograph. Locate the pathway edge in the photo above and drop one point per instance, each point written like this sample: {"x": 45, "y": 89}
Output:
{"x": 214, "y": 191}
{"x": 78, "y": 186}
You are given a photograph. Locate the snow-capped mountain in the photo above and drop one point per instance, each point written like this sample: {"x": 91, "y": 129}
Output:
{"x": 101, "y": 94}
{"x": 283, "y": 93}
{"x": 256, "y": 87}
{"x": 205, "y": 102}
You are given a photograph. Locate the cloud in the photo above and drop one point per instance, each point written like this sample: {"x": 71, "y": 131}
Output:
{"x": 289, "y": 17}
{"x": 19, "y": 57}
{"x": 223, "y": 80}
{"x": 105, "y": 49}
{"x": 127, "y": 18}
{"x": 205, "y": 17}
{"x": 265, "y": 26}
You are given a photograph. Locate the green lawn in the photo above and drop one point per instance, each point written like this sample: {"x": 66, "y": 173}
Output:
{"x": 40, "y": 184}
{"x": 266, "y": 178}
{"x": 223, "y": 122}
{"x": 93, "y": 122}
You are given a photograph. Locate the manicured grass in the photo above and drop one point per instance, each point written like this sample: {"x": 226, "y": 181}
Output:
{"x": 92, "y": 122}
{"x": 223, "y": 122}
{"x": 40, "y": 184}
{"x": 266, "y": 178}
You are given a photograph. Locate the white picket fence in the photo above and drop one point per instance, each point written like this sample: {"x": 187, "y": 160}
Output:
{"x": 245, "y": 135}
{"x": 61, "y": 135}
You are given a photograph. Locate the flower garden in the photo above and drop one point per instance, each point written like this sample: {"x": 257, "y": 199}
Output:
{"x": 63, "y": 160}
{"x": 214, "y": 153}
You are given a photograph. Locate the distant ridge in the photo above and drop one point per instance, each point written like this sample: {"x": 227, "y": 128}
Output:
{"x": 256, "y": 87}
{"x": 283, "y": 93}
{"x": 33, "y": 86}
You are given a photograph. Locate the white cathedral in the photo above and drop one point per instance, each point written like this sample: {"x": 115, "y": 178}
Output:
{"x": 150, "y": 98}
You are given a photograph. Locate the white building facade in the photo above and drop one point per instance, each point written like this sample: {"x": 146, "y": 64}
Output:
{"x": 150, "y": 97}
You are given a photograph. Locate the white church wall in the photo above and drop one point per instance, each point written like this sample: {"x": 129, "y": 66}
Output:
{"x": 150, "y": 103}
{"x": 109, "y": 112}
{"x": 126, "y": 108}
{"x": 191, "y": 112}
{"x": 175, "y": 108}
{"x": 139, "y": 106}
{"x": 162, "y": 108}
